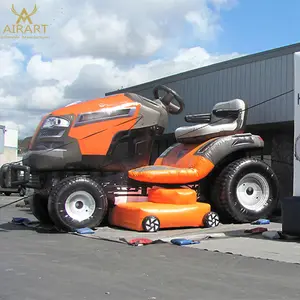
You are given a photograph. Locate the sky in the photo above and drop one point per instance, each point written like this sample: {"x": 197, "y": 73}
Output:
{"x": 94, "y": 46}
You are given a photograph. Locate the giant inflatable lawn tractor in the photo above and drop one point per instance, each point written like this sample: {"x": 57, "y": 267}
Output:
{"x": 85, "y": 156}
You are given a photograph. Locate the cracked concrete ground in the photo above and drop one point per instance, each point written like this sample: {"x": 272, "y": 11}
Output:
{"x": 62, "y": 266}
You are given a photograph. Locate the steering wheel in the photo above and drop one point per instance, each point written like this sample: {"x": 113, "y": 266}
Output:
{"x": 170, "y": 95}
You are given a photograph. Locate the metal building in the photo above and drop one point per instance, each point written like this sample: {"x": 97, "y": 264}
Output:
{"x": 8, "y": 145}
{"x": 264, "y": 80}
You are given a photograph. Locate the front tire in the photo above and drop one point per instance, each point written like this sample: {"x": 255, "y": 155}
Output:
{"x": 246, "y": 190}
{"x": 77, "y": 202}
{"x": 7, "y": 194}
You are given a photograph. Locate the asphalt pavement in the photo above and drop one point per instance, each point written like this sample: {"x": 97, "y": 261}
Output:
{"x": 42, "y": 266}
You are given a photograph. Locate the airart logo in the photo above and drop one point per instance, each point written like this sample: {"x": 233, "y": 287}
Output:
{"x": 24, "y": 26}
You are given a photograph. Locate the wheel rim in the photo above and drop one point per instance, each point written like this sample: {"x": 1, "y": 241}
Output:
{"x": 253, "y": 192}
{"x": 80, "y": 205}
{"x": 152, "y": 224}
{"x": 213, "y": 220}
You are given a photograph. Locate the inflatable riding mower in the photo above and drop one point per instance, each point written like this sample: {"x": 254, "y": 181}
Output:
{"x": 85, "y": 157}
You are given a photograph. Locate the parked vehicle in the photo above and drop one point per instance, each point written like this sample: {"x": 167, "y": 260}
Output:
{"x": 8, "y": 191}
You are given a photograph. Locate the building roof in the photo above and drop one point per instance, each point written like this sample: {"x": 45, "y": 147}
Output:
{"x": 23, "y": 145}
{"x": 215, "y": 67}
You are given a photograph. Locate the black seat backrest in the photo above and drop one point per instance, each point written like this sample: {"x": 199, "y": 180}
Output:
{"x": 230, "y": 111}
{"x": 223, "y": 113}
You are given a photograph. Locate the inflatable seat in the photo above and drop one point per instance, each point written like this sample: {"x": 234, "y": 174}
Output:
{"x": 172, "y": 175}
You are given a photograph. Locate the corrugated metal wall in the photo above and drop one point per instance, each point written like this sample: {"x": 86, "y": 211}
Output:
{"x": 253, "y": 82}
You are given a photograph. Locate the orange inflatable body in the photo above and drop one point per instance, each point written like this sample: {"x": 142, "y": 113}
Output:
{"x": 169, "y": 208}
{"x": 180, "y": 196}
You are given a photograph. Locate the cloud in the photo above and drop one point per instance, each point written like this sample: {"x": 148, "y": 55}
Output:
{"x": 11, "y": 60}
{"x": 94, "y": 48}
{"x": 119, "y": 30}
{"x": 97, "y": 79}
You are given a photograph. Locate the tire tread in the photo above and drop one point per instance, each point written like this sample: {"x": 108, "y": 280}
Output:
{"x": 38, "y": 207}
{"x": 67, "y": 182}
{"x": 219, "y": 197}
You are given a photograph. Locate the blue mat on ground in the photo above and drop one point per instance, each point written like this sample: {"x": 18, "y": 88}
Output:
{"x": 35, "y": 225}
{"x": 24, "y": 221}
{"x": 85, "y": 230}
{"x": 184, "y": 242}
{"x": 261, "y": 222}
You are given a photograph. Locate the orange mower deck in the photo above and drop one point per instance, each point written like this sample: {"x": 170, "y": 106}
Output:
{"x": 166, "y": 208}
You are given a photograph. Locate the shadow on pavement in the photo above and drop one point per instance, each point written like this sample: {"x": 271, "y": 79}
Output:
{"x": 272, "y": 235}
{"x": 32, "y": 226}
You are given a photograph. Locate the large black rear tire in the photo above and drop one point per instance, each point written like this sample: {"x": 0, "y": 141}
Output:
{"x": 38, "y": 205}
{"x": 77, "y": 202}
{"x": 246, "y": 190}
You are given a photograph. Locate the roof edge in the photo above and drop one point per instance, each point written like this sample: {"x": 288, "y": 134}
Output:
{"x": 246, "y": 59}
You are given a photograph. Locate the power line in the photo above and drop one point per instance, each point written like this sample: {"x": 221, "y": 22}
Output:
{"x": 13, "y": 202}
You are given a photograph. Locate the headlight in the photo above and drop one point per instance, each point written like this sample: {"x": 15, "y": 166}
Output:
{"x": 54, "y": 127}
{"x": 104, "y": 115}
{"x": 54, "y": 122}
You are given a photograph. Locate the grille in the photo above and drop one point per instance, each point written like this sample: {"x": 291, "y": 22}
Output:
{"x": 34, "y": 181}
{"x": 52, "y": 132}
{"x": 48, "y": 145}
